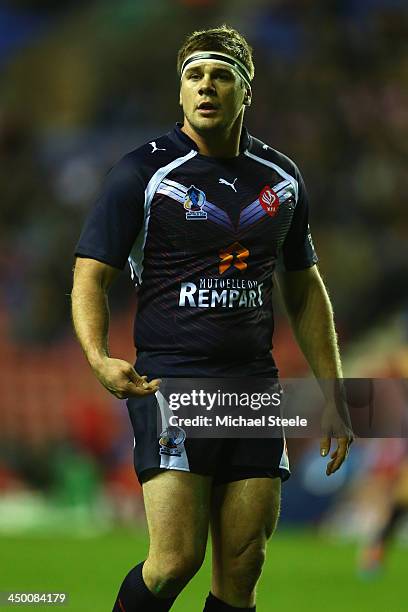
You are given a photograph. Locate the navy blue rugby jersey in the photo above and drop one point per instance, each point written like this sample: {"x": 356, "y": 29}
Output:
{"x": 202, "y": 236}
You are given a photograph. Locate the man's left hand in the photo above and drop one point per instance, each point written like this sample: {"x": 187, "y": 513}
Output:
{"x": 333, "y": 426}
{"x": 338, "y": 455}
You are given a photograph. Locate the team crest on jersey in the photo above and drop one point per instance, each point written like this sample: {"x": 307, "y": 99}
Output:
{"x": 269, "y": 201}
{"x": 170, "y": 441}
{"x": 194, "y": 201}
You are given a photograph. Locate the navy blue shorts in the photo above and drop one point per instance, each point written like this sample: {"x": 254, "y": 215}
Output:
{"x": 225, "y": 459}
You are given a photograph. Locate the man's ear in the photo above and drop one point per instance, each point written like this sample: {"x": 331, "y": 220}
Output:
{"x": 180, "y": 100}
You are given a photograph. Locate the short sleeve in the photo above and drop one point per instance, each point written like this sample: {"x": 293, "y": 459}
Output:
{"x": 116, "y": 218}
{"x": 298, "y": 250}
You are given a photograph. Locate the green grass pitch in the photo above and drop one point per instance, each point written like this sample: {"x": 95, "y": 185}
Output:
{"x": 303, "y": 573}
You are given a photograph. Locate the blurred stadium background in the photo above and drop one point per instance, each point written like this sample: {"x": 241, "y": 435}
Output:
{"x": 81, "y": 84}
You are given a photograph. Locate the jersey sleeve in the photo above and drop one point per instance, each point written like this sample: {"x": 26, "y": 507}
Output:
{"x": 116, "y": 218}
{"x": 298, "y": 250}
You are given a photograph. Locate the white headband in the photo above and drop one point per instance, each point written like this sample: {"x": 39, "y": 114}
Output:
{"x": 201, "y": 57}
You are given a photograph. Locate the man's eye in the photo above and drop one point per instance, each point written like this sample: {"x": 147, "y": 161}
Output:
{"x": 194, "y": 76}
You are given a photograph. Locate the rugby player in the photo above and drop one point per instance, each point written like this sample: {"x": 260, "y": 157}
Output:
{"x": 203, "y": 214}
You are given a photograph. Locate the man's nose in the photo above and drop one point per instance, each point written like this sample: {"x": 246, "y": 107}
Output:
{"x": 206, "y": 86}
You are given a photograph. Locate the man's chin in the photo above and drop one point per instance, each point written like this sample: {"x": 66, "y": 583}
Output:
{"x": 207, "y": 124}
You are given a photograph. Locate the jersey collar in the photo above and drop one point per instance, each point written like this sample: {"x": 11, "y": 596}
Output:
{"x": 184, "y": 141}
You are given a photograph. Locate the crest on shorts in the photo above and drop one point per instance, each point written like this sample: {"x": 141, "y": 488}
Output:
{"x": 170, "y": 441}
{"x": 194, "y": 201}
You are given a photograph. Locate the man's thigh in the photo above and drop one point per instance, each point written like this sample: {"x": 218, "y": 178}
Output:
{"x": 244, "y": 514}
{"x": 177, "y": 508}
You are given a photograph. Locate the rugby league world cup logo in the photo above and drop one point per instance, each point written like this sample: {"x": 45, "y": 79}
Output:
{"x": 194, "y": 201}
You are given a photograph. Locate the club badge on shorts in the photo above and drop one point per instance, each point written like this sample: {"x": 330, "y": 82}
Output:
{"x": 171, "y": 440}
{"x": 194, "y": 201}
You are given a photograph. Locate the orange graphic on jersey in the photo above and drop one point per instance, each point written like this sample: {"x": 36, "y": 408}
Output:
{"x": 233, "y": 255}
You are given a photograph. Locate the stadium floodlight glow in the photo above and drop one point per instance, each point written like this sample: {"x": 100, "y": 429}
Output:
{"x": 201, "y": 57}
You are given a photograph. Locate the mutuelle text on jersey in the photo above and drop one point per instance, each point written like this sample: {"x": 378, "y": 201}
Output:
{"x": 220, "y": 292}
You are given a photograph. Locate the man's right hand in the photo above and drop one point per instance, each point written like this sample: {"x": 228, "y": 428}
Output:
{"x": 121, "y": 379}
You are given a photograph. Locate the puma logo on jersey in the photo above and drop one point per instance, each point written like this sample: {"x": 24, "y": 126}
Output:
{"x": 154, "y": 147}
{"x": 224, "y": 182}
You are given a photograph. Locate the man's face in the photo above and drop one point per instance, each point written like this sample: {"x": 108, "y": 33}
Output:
{"x": 212, "y": 96}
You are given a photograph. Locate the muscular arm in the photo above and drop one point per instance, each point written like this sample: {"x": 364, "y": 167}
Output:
{"x": 311, "y": 316}
{"x": 90, "y": 314}
{"x": 90, "y": 309}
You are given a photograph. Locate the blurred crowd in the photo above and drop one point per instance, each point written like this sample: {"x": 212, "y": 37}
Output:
{"x": 87, "y": 82}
